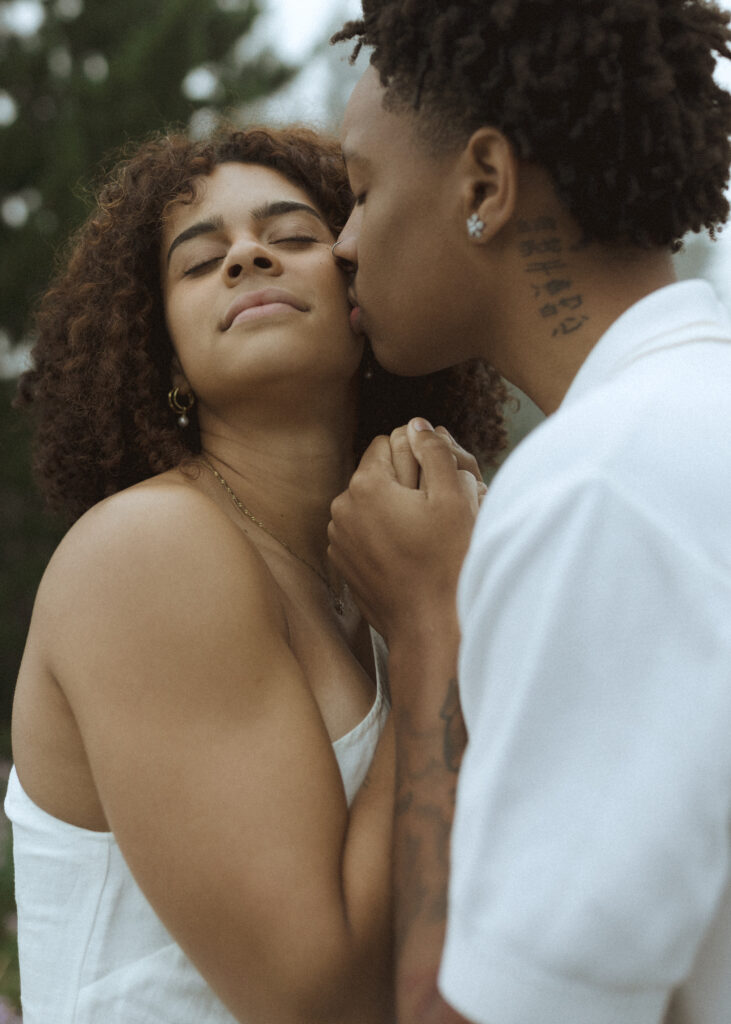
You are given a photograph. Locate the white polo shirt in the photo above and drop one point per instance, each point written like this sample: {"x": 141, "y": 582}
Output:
{"x": 590, "y": 859}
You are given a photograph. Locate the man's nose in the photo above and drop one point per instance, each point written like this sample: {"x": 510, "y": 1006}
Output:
{"x": 345, "y": 253}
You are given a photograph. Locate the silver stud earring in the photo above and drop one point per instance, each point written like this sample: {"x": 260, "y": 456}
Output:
{"x": 475, "y": 226}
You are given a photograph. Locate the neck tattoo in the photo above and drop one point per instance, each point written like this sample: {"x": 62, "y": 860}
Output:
{"x": 335, "y": 598}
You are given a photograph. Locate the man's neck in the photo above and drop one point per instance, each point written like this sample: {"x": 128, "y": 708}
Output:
{"x": 562, "y": 305}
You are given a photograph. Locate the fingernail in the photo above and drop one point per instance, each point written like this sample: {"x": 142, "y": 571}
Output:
{"x": 420, "y": 424}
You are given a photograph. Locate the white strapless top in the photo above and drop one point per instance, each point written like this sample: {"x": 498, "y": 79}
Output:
{"x": 92, "y": 950}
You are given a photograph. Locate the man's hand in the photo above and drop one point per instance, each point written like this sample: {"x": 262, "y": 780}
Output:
{"x": 400, "y": 532}
{"x": 399, "y": 535}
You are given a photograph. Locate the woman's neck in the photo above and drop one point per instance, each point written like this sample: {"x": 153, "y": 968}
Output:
{"x": 286, "y": 475}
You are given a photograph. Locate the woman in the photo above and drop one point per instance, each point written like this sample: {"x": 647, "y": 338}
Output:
{"x": 199, "y": 700}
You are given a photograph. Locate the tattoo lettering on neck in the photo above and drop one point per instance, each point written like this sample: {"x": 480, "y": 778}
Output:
{"x": 552, "y": 289}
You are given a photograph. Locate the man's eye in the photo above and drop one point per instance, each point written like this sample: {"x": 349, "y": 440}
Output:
{"x": 199, "y": 268}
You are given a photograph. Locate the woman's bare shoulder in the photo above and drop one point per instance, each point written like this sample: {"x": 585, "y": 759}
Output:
{"x": 152, "y": 542}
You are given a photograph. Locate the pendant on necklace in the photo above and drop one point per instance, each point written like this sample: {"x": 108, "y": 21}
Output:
{"x": 339, "y": 600}
{"x": 336, "y": 599}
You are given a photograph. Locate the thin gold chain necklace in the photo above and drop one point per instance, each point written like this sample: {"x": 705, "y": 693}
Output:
{"x": 336, "y": 599}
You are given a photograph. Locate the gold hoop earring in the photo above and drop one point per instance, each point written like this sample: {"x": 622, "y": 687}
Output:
{"x": 181, "y": 405}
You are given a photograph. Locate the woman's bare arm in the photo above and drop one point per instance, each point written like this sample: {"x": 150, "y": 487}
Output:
{"x": 213, "y": 765}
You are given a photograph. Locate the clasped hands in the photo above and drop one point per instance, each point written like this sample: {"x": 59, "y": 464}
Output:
{"x": 399, "y": 533}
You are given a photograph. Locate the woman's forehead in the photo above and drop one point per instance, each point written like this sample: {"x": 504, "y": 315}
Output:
{"x": 232, "y": 187}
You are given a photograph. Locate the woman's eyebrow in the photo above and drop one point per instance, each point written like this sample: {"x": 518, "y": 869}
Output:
{"x": 203, "y": 227}
{"x": 281, "y": 206}
{"x": 261, "y": 213}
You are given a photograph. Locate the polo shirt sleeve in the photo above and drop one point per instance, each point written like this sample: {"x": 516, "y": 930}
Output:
{"x": 591, "y": 839}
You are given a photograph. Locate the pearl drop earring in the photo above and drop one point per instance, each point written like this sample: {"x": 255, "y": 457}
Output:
{"x": 181, "y": 404}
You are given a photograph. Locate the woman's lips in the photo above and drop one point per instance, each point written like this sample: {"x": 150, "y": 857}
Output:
{"x": 266, "y": 298}
{"x": 265, "y": 310}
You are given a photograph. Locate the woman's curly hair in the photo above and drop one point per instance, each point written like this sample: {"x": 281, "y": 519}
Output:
{"x": 102, "y": 360}
{"x": 614, "y": 98}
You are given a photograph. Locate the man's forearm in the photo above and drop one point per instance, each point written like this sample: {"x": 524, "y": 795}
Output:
{"x": 430, "y": 741}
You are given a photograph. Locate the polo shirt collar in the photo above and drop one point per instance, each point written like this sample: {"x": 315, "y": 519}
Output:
{"x": 657, "y": 321}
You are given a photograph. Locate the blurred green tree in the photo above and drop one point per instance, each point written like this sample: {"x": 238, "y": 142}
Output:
{"x": 93, "y": 75}
{"x": 27, "y": 540}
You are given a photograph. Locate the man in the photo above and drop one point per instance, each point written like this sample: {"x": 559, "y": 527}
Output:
{"x": 523, "y": 170}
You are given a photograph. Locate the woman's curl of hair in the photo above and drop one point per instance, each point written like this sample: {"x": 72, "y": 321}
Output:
{"x": 616, "y": 99}
{"x": 102, "y": 360}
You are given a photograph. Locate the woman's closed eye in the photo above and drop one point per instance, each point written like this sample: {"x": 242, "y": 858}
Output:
{"x": 199, "y": 268}
{"x": 297, "y": 239}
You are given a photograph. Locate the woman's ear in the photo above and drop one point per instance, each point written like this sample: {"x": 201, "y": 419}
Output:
{"x": 489, "y": 184}
{"x": 177, "y": 377}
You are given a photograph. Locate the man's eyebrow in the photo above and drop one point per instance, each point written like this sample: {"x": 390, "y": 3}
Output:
{"x": 203, "y": 227}
{"x": 352, "y": 156}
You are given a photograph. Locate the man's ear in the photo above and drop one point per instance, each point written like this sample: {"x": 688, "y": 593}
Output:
{"x": 489, "y": 170}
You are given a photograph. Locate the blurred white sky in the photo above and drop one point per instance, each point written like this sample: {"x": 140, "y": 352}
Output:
{"x": 298, "y": 25}
{"x": 295, "y": 25}
{"x": 298, "y": 31}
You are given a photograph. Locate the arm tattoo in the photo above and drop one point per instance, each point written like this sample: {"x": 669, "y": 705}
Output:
{"x": 428, "y": 760}
{"x": 455, "y": 734}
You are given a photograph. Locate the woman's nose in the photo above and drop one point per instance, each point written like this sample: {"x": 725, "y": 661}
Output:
{"x": 250, "y": 256}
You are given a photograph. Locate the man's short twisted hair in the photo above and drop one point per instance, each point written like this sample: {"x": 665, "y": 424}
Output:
{"x": 614, "y": 98}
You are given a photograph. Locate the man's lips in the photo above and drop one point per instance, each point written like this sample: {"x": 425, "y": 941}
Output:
{"x": 253, "y": 305}
{"x": 355, "y": 313}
